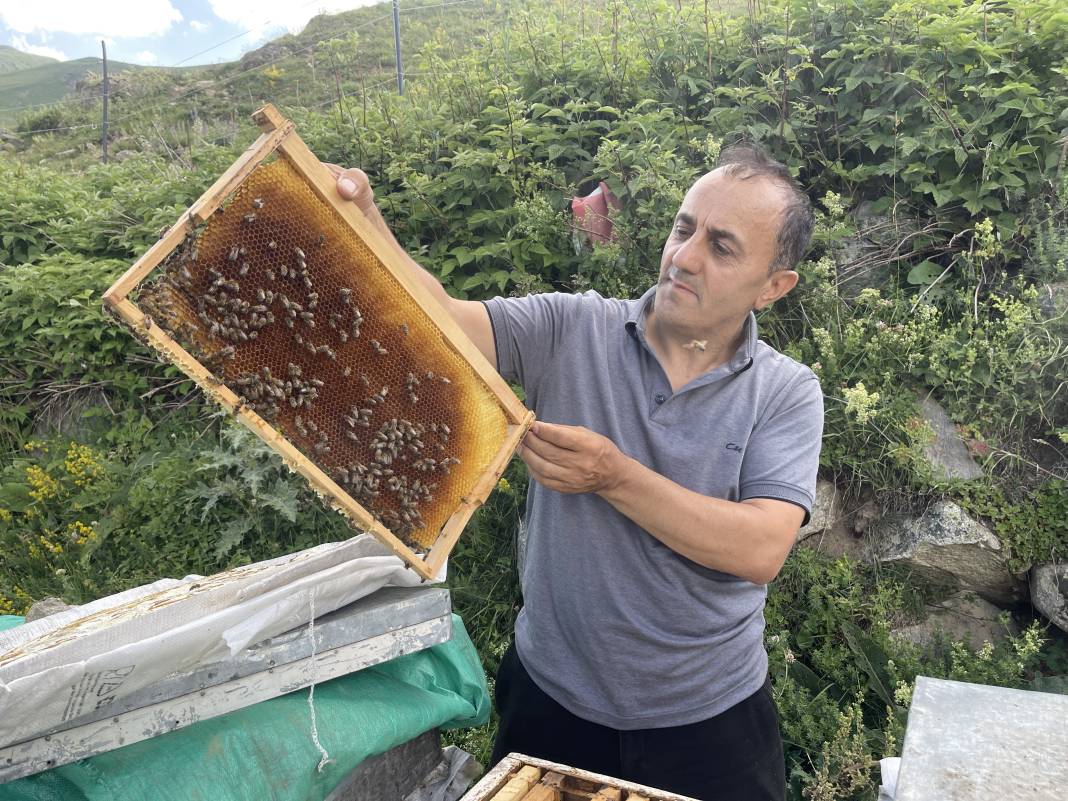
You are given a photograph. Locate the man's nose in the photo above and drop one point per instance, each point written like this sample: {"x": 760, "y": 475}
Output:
{"x": 686, "y": 256}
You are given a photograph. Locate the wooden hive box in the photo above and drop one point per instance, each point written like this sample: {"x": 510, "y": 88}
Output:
{"x": 518, "y": 777}
{"x": 282, "y": 302}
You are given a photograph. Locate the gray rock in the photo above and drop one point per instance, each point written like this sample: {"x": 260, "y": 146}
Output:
{"x": 46, "y": 607}
{"x": 1049, "y": 593}
{"x": 11, "y": 138}
{"x": 947, "y": 453}
{"x": 837, "y": 541}
{"x": 1053, "y": 301}
{"x": 66, "y": 415}
{"x": 863, "y": 517}
{"x": 962, "y": 616}
{"x": 947, "y": 546}
{"x": 825, "y": 511}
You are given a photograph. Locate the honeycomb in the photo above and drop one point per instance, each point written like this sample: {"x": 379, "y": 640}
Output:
{"x": 287, "y": 306}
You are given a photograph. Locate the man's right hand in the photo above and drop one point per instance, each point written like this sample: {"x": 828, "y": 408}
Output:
{"x": 353, "y": 184}
{"x": 470, "y": 315}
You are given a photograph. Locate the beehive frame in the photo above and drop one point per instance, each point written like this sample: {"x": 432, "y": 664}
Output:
{"x": 519, "y": 776}
{"x": 279, "y": 139}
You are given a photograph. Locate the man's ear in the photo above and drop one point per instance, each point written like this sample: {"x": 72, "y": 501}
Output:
{"x": 778, "y": 284}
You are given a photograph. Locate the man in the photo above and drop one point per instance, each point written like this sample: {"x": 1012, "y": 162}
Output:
{"x": 674, "y": 459}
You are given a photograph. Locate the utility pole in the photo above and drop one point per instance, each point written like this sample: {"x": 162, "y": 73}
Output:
{"x": 104, "y": 89}
{"x": 396, "y": 41}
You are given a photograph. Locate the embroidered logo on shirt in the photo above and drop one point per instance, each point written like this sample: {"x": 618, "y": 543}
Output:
{"x": 732, "y": 447}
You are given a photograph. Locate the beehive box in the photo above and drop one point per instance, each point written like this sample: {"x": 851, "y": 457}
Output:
{"x": 518, "y": 777}
{"x": 289, "y": 309}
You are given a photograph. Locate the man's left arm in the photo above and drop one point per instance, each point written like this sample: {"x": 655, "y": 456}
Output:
{"x": 749, "y": 539}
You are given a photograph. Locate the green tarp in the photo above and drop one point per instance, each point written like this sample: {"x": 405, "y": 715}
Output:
{"x": 265, "y": 752}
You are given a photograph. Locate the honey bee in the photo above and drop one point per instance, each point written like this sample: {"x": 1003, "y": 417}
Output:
{"x": 257, "y": 203}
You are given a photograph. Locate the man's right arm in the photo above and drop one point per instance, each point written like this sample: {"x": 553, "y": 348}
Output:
{"x": 470, "y": 315}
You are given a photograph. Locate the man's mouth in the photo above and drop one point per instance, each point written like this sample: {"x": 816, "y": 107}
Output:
{"x": 671, "y": 278}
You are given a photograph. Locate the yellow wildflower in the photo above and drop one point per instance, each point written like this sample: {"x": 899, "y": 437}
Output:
{"x": 43, "y": 486}
{"x": 83, "y": 464}
{"x": 5, "y": 515}
{"x": 52, "y": 547}
{"x": 860, "y": 402}
{"x": 80, "y": 533}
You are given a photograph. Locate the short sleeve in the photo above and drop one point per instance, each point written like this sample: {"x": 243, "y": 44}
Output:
{"x": 528, "y": 332}
{"x": 783, "y": 453}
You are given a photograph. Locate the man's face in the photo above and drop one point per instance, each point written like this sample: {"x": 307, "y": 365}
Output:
{"x": 714, "y": 267}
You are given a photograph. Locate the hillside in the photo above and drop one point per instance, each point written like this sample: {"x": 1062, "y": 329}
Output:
{"x": 350, "y": 52}
{"x": 47, "y": 83}
{"x": 12, "y": 60}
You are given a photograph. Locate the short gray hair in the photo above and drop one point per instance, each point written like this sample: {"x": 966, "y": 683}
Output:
{"x": 749, "y": 160}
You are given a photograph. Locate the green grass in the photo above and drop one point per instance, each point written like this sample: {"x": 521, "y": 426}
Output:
{"x": 12, "y": 60}
{"x": 46, "y": 83}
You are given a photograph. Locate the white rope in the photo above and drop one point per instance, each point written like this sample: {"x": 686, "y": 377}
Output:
{"x": 325, "y": 757}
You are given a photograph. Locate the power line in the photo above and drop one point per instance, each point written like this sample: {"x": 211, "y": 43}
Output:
{"x": 236, "y": 36}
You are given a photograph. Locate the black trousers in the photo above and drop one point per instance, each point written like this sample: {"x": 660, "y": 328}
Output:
{"x": 734, "y": 756}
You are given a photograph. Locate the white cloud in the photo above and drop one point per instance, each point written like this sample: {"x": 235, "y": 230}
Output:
{"x": 145, "y": 57}
{"x": 20, "y": 43}
{"x": 117, "y": 18}
{"x": 197, "y": 25}
{"x": 260, "y": 15}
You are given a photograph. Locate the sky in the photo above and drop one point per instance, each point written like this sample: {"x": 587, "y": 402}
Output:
{"x": 155, "y": 32}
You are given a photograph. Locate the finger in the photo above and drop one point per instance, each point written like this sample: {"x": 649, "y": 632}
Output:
{"x": 547, "y": 482}
{"x": 353, "y": 184}
{"x": 566, "y": 437}
{"x": 542, "y": 466}
{"x": 546, "y": 449}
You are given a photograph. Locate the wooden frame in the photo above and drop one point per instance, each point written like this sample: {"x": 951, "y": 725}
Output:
{"x": 279, "y": 137}
{"x": 492, "y": 786}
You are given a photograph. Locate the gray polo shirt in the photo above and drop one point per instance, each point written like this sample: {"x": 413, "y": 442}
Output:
{"x": 617, "y": 627}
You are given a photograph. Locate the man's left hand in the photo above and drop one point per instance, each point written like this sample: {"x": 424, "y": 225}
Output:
{"x": 571, "y": 459}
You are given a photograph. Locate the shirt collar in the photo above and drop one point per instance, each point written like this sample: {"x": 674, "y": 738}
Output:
{"x": 638, "y": 310}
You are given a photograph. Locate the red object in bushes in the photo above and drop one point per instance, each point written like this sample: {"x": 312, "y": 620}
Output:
{"x": 591, "y": 214}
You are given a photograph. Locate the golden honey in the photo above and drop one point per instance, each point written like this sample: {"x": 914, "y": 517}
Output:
{"x": 290, "y": 309}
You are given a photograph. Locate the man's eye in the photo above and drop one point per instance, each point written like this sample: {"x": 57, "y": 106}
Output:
{"x": 681, "y": 230}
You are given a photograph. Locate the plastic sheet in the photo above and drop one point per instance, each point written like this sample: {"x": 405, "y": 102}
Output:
{"x": 74, "y": 663}
{"x": 266, "y": 751}
{"x": 457, "y": 771}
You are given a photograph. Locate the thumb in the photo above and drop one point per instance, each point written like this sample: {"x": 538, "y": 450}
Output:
{"x": 353, "y": 184}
